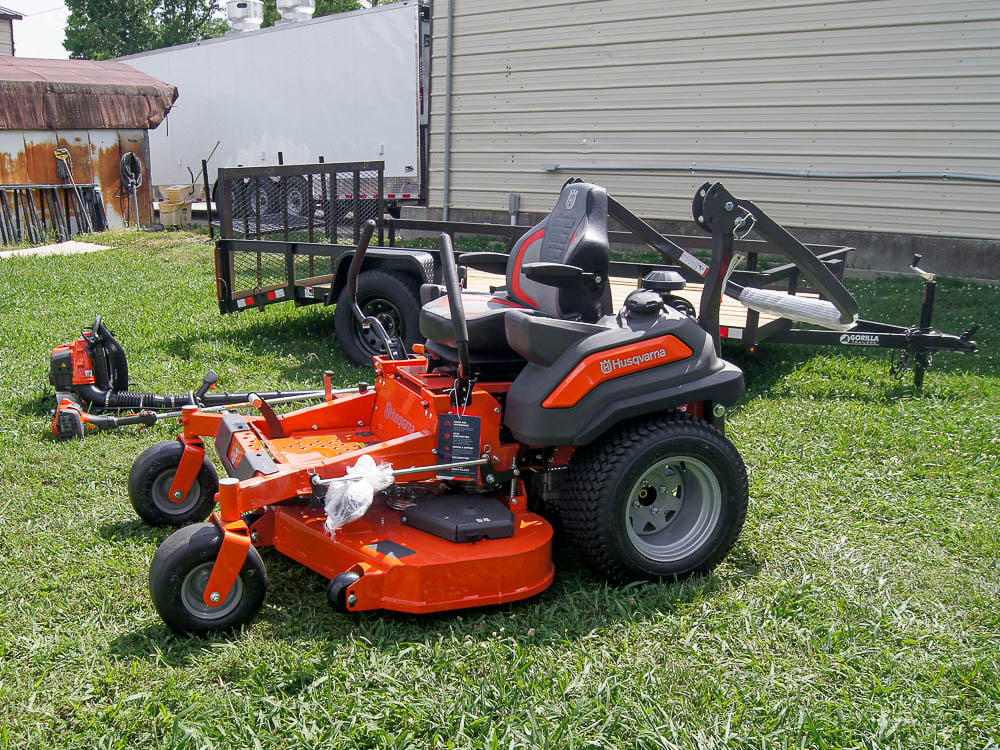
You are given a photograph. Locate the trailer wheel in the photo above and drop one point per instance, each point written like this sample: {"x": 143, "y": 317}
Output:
{"x": 149, "y": 484}
{"x": 391, "y": 298}
{"x": 180, "y": 572}
{"x": 663, "y": 498}
{"x": 297, "y": 196}
{"x": 245, "y": 198}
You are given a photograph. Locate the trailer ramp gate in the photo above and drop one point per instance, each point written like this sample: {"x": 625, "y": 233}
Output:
{"x": 284, "y": 229}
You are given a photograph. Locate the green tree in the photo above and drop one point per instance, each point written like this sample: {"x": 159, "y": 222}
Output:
{"x": 102, "y": 29}
{"x": 183, "y": 21}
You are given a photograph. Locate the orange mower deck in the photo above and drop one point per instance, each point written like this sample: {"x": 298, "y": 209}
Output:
{"x": 400, "y": 567}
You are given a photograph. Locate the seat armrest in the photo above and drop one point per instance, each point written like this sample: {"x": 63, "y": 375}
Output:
{"x": 485, "y": 262}
{"x": 561, "y": 276}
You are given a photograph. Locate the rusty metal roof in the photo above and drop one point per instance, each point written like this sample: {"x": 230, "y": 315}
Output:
{"x": 79, "y": 94}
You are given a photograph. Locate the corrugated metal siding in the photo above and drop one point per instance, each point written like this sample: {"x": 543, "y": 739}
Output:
{"x": 6, "y": 38}
{"x": 27, "y": 157}
{"x": 841, "y": 85}
{"x": 84, "y": 94}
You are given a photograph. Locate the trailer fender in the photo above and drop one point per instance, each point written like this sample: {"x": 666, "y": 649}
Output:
{"x": 414, "y": 264}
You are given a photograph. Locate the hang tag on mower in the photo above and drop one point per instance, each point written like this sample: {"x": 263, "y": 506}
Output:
{"x": 458, "y": 440}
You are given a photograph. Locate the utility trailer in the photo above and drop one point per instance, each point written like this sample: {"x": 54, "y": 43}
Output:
{"x": 264, "y": 259}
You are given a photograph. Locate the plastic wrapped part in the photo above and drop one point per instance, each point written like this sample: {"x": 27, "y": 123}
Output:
{"x": 349, "y": 499}
{"x": 816, "y": 311}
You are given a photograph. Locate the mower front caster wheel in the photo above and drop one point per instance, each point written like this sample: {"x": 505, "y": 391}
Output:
{"x": 180, "y": 572}
{"x": 149, "y": 487}
{"x": 657, "y": 499}
{"x": 338, "y": 591}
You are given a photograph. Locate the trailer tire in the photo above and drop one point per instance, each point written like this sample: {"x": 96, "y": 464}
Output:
{"x": 247, "y": 197}
{"x": 393, "y": 299}
{"x": 297, "y": 196}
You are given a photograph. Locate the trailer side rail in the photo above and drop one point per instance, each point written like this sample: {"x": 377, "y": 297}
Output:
{"x": 302, "y": 202}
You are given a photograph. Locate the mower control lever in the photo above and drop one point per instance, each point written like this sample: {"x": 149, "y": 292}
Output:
{"x": 449, "y": 270}
{"x": 393, "y": 347}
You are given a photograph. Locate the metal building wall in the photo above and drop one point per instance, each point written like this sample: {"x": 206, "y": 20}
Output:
{"x": 839, "y": 85}
{"x": 27, "y": 157}
{"x": 6, "y": 37}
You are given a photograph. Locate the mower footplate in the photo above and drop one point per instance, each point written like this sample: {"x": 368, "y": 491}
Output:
{"x": 409, "y": 570}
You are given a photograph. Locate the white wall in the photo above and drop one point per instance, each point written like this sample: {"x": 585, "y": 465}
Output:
{"x": 343, "y": 87}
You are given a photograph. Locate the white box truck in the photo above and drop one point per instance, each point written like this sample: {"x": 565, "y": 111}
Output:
{"x": 343, "y": 88}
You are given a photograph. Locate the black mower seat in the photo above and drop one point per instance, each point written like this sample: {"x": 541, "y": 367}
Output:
{"x": 541, "y": 339}
{"x": 484, "y": 315}
{"x": 575, "y": 234}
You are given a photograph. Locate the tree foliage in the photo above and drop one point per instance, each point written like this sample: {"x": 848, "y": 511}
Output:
{"x": 102, "y": 29}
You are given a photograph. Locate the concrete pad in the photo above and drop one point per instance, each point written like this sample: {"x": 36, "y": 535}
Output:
{"x": 71, "y": 247}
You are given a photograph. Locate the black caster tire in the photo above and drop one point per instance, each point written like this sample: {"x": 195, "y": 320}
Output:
{"x": 180, "y": 571}
{"x": 149, "y": 487}
{"x": 658, "y": 499}
{"x": 337, "y": 592}
{"x": 391, "y": 298}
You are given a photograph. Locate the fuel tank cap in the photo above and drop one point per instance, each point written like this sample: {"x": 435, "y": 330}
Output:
{"x": 643, "y": 302}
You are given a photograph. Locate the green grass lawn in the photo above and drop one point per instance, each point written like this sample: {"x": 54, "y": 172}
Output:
{"x": 858, "y": 609}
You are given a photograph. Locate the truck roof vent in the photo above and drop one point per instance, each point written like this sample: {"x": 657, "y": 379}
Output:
{"x": 296, "y": 10}
{"x": 245, "y": 15}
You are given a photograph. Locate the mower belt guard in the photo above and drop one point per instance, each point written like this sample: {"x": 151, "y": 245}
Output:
{"x": 461, "y": 518}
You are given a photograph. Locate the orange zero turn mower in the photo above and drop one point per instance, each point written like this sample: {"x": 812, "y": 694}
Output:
{"x": 420, "y": 494}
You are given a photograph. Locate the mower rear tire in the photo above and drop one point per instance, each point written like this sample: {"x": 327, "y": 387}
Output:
{"x": 657, "y": 499}
{"x": 149, "y": 487}
{"x": 390, "y": 297}
{"x": 180, "y": 572}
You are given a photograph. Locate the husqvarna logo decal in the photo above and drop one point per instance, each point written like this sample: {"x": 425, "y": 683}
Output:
{"x": 571, "y": 199}
{"x": 620, "y": 362}
{"x": 608, "y": 366}
{"x": 398, "y": 419}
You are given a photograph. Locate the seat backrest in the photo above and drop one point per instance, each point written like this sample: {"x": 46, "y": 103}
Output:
{"x": 575, "y": 233}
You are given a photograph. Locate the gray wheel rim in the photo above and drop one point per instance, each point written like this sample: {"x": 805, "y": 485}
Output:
{"x": 673, "y": 509}
{"x": 388, "y": 315}
{"x": 161, "y": 495}
{"x": 193, "y": 593}
{"x": 296, "y": 201}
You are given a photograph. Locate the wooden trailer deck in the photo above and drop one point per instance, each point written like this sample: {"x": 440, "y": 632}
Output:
{"x": 734, "y": 318}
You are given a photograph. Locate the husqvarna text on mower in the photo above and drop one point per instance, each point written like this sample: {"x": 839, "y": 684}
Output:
{"x": 538, "y": 391}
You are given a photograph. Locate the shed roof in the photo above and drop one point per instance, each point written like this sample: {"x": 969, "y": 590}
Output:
{"x": 8, "y": 13}
{"x": 79, "y": 94}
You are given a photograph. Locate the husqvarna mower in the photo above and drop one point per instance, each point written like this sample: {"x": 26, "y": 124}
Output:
{"x": 416, "y": 495}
